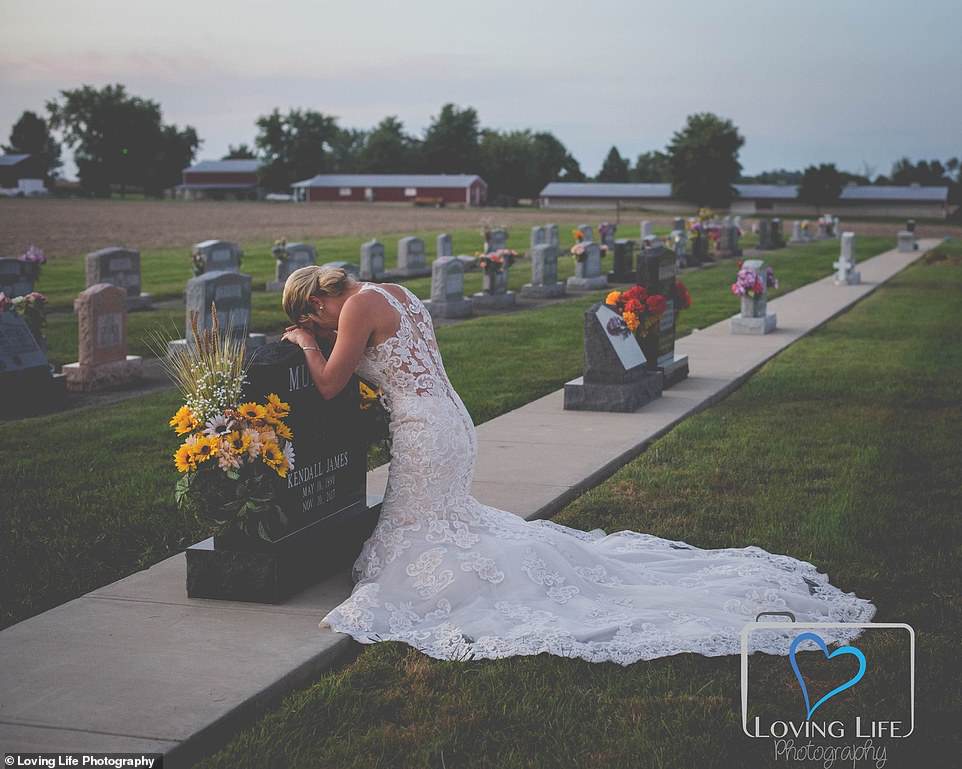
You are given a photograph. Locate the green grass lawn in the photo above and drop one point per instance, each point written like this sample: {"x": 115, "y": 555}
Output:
{"x": 90, "y": 493}
{"x": 844, "y": 451}
{"x": 165, "y": 273}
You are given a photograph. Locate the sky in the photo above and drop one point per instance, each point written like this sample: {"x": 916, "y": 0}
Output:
{"x": 858, "y": 83}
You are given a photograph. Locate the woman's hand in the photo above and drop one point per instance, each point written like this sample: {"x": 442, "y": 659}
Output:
{"x": 300, "y": 336}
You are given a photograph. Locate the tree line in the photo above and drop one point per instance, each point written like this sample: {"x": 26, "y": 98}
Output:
{"x": 121, "y": 141}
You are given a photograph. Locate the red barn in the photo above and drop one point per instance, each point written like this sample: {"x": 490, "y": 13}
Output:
{"x": 429, "y": 189}
{"x": 219, "y": 179}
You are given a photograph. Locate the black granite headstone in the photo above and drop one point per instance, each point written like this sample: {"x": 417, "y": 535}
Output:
{"x": 658, "y": 273}
{"x": 324, "y": 495}
{"x": 27, "y": 385}
{"x": 623, "y": 262}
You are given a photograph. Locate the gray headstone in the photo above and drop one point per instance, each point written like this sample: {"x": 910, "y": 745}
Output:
{"x": 554, "y": 235}
{"x": 447, "y": 289}
{"x": 647, "y": 228}
{"x": 497, "y": 239}
{"x": 410, "y": 253}
{"x": 298, "y": 255}
{"x": 19, "y": 350}
{"x": 16, "y": 277}
{"x": 539, "y": 236}
{"x": 588, "y": 270}
{"x": 906, "y": 241}
{"x": 372, "y": 260}
{"x": 679, "y": 223}
{"x": 544, "y": 274}
{"x": 845, "y": 272}
{"x": 587, "y": 231}
{"x": 230, "y": 292}
{"x": 444, "y": 245}
{"x": 217, "y": 256}
{"x": 117, "y": 266}
{"x": 349, "y": 267}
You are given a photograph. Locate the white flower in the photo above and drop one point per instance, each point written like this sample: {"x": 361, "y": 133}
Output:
{"x": 288, "y": 452}
{"x": 217, "y": 426}
{"x": 254, "y": 449}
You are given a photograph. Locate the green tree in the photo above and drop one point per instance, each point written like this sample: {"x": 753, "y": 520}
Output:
{"x": 652, "y": 167}
{"x": 518, "y": 164}
{"x": 294, "y": 146}
{"x": 776, "y": 176}
{"x": 388, "y": 149}
{"x": 704, "y": 160}
{"x": 346, "y": 148}
{"x": 820, "y": 186}
{"x": 240, "y": 152}
{"x": 120, "y": 139}
{"x": 31, "y": 135}
{"x": 450, "y": 143}
{"x": 614, "y": 169}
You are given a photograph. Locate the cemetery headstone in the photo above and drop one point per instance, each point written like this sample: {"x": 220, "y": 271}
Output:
{"x": 349, "y": 267}
{"x": 623, "y": 267}
{"x": 494, "y": 294}
{"x": 616, "y": 375}
{"x": 837, "y": 228}
{"x": 728, "y": 245}
{"x": 230, "y": 293}
{"x": 372, "y": 260}
{"x": 216, "y": 256}
{"x": 323, "y": 496}
{"x": 587, "y": 231}
{"x": 906, "y": 241}
{"x": 778, "y": 236}
{"x": 845, "y": 272}
{"x": 646, "y": 229}
{"x": 102, "y": 341}
{"x": 607, "y": 235}
{"x": 16, "y": 277}
{"x": 444, "y": 245}
{"x": 539, "y": 236}
{"x": 119, "y": 267}
{"x": 737, "y": 221}
{"x": 26, "y": 381}
{"x": 497, "y": 239}
{"x": 765, "y": 239}
{"x": 679, "y": 243}
{"x": 296, "y": 255}
{"x": 468, "y": 262}
{"x": 754, "y": 317}
{"x": 658, "y": 272}
{"x": 588, "y": 275}
{"x": 447, "y": 289}
{"x": 554, "y": 235}
{"x": 798, "y": 234}
{"x": 410, "y": 257}
{"x": 544, "y": 274}
{"x": 678, "y": 223}
{"x": 910, "y": 225}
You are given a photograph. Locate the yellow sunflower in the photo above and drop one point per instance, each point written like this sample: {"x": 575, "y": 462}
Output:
{"x": 184, "y": 421}
{"x": 273, "y": 458}
{"x": 238, "y": 442}
{"x": 251, "y": 411}
{"x": 279, "y": 407}
{"x": 184, "y": 458}
{"x": 204, "y": 448}
{"x": 283, "y": 431}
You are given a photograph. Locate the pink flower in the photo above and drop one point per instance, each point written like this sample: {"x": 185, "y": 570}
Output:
{"x": 4, "y": 302}
{"x": 33, "y": 254}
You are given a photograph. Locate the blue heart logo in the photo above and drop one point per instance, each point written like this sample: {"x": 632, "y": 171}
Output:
{"x": 819, "y": 641}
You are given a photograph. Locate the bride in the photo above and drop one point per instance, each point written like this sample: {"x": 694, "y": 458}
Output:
{"x": 460, "y": 580}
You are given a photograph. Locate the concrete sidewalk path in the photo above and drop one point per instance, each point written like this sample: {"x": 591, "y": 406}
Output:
{"x": 137, "y": 666}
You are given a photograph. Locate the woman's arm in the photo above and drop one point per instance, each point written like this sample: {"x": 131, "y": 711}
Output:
{"x": 354, "y": 328}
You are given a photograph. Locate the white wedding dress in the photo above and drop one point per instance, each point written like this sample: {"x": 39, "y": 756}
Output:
{"x": 460, "y": 580}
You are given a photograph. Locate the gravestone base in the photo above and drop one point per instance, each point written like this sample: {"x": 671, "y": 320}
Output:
{"x": 408, "y": 272}
{"x": 546, "y": 291}
{"x": 462, "y": 309}
{"x": 468, "y": 262}
{"x": 853, "y": 278}
{"x": 104, "y": 375}
{"x": 484, "y": 301}
{"x": 758, "y": 326}
{"x": 624, "y": 397}
{"x": 141, "y": 302}
{"x": 253, "y": 342}
{"x": 906, "y": 242}
{"x": 673, "y": 371}
{"x": 242, "y": 569}
{"x": 575, "y": 283}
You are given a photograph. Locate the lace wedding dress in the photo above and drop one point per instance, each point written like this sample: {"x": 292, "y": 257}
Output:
{"x": 460, "y": 580}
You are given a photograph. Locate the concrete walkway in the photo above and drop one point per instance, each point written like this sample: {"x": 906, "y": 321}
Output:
{"x": 137, "y": 666}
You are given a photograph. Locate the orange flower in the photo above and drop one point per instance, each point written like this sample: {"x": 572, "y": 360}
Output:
{"x": 631, "y": 320}
{"x": 613, "y": 298}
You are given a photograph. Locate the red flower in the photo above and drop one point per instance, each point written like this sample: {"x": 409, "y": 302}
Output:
{"x": 758, "y": 287}
{"x": 657, "y": 304}
{"x": 682, "y": 297}
{"x": 636, "y": 292}
{"x": 633, "y": 305}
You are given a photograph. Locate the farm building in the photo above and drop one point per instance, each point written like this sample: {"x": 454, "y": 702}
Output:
{"x": 219, "y": 180}
{"x": 428, "y": 189}
{"x": 22, "y": 174}
{"x": 776, "y": 199}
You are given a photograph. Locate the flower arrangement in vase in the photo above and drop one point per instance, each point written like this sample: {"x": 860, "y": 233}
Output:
{"x": 32, "y": 308}
{"x": 638, "y": 311}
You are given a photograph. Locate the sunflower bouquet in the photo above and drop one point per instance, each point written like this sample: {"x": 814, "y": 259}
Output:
{"x": 234, "y": 451}
{"x": 639, "y": 311}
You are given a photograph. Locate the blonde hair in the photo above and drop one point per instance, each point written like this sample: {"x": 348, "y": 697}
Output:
{"x": 313, "y": 280}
